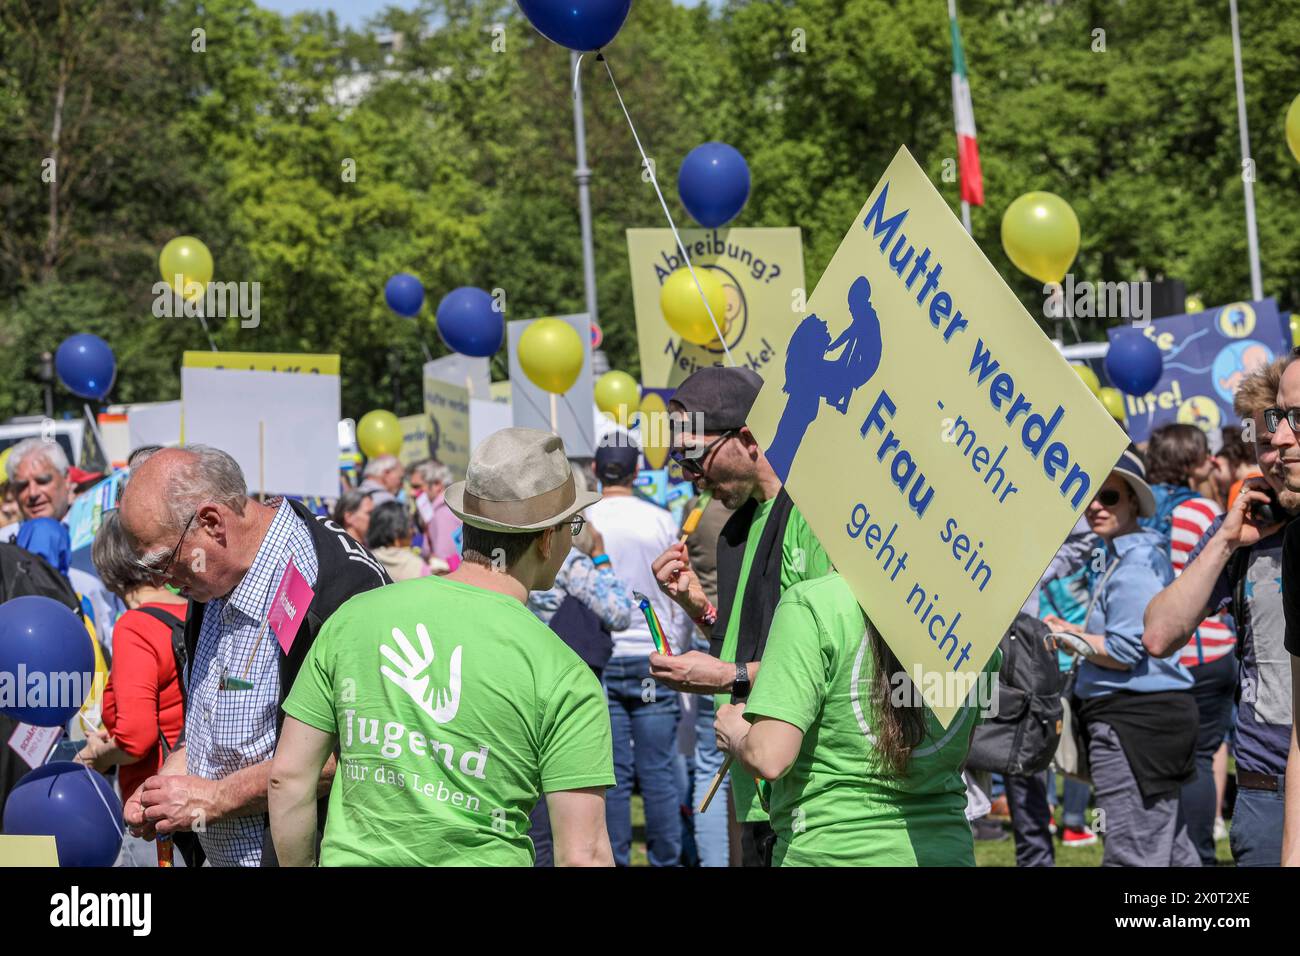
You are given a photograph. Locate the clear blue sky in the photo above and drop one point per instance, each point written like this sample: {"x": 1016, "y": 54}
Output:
{"x": 354, "y": 13}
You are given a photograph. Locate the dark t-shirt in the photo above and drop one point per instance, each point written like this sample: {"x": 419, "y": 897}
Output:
{"x": 1264, "y": 712}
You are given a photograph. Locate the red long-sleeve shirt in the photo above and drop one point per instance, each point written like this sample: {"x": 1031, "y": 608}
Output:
{"x": 143, "y": 693}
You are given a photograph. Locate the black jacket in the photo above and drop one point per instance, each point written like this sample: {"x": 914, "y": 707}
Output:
{"x": 346, "y": 568}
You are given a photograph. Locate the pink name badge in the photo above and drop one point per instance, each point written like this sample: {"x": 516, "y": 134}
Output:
{"x": 289, "y": 606}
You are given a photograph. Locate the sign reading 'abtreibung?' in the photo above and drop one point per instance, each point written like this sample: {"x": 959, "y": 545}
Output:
{"x": 933, "y": 437}
{"x": 761, "y": 271}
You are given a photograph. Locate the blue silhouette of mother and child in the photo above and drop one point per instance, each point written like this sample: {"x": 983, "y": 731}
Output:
{"x": 810, "y": 376}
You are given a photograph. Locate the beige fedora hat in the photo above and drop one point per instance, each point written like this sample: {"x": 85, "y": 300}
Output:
{"x": 518, "y": 479}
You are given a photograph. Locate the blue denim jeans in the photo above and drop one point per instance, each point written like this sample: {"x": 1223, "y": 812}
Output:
{"x": 643, "y": 718}
{"x": 1256, "y": 834}
{"x": 712, "y": 840}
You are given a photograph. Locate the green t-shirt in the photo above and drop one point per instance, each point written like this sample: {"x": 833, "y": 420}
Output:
{"x": 802, "y": 559}
{"x": 839, "y": 804}
{"x": 455, "y": 709}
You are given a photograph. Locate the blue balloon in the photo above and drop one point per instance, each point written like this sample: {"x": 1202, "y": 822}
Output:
{"x": 404, "y": 294}
{"x": 469, "y": 324}
{"x": 578, "y": 24}
{"x": 74, "y": 805}
{"x": 713, "y": 183}
{"x": 1134, "y": 363}
{"x": 46, "y": 652}
{"x": 86, "y": 365}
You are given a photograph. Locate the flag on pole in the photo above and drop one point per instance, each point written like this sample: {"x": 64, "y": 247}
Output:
{"x": 968, "y": 155}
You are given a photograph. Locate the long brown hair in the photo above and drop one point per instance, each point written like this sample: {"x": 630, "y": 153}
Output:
{"x": 899, "y": 724}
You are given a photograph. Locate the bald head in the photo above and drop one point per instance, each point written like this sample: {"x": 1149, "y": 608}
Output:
{"x": 187, "y": 514}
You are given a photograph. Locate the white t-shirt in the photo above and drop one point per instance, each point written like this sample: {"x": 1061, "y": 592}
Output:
{"x": 636, "y": 532}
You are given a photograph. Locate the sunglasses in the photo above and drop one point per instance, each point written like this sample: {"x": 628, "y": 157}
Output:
{"x": 695, "y": 461}
{"x": 1108, "y": 497}
{"x": 576, "y": 525}
{"x": 1273, "y": 417}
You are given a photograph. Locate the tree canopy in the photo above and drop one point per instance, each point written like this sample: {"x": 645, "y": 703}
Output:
{"x": 234, "y": 124}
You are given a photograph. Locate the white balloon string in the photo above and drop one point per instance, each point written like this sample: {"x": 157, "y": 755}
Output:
{"x": 577, "y": 68}
{"x": 117, "y": 825}
{"x": 654, "y": 180}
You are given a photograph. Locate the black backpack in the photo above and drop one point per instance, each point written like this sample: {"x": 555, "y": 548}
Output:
{"x": 23, "y": 573}
{"x": 181, "y": 655}
{"x": 1022, "y": 736}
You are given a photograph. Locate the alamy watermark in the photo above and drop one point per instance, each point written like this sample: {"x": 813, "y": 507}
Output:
{"x": 1130, "y": 301}
{"x": 221, "y": 300}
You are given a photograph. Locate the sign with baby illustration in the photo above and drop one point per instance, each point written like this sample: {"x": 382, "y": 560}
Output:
{"x": 932, "y": 436}
{"x": 1206, "y": 355}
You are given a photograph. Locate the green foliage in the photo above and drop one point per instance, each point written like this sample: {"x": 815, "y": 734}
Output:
{"x": 464, "y": 158}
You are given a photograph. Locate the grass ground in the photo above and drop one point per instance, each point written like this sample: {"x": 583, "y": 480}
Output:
{"x": 987, "y": 852}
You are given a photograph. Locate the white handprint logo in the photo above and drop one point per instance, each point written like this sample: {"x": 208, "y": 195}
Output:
{"x": 412, "y": 674}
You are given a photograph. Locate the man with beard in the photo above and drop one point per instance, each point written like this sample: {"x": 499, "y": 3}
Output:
{"x": 765, "y": 548}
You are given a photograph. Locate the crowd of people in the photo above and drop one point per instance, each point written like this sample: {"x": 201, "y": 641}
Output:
{"x": 485, "y": 671}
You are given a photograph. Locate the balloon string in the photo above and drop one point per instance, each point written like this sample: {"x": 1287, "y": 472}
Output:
{"x": 577, "y": 67}
{"x": 204, "y": 322}
{"x": 111, "y": 815}
{"x": 654, "y": 180}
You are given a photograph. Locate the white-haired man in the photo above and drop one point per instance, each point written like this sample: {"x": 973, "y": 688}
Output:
{"x": 429, "y": 480}
{"x": 37, "y": 470}
{"x": 382, "y": 478}
{"x": 262, "y": 579}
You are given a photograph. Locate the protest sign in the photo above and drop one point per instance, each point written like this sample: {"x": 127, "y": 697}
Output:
{"x": 1206, "y": 355}
{"x": 531, "y": 406}
{"x": 155, "y": 423}
{"x": 935, "y": 440}
{"x": 761, "y": 271}
{"x": 301, "y": 363}
{"x": 485, "y": 417}
{"x": 417, "y": 438}
{"x": 447, "y": 407}
{"x": 281, "y": 427}
{"x": 470, "y": 373}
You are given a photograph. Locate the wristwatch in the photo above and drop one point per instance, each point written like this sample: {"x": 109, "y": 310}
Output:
{"x": 740, "y": 686}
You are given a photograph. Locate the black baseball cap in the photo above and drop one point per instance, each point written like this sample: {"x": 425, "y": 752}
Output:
{"x": 616, "y": 458}
{"x": 721, "y": 396}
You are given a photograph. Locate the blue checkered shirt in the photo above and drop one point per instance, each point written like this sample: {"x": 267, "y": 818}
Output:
{"x": 227, "y": 730}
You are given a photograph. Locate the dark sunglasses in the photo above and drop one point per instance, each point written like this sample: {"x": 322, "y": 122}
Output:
{"x": 695, "y": 461}
{"x": 576, "y": 525}
{"x": 1108, "y": 497}
{"x": 1273, "y": 417}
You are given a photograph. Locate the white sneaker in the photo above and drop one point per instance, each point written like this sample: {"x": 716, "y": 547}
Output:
{"x": 1220, "y": 830}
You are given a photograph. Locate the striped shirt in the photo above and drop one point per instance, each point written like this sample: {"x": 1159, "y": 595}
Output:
{"x": 228, "y": 730}
{"x": 1215, "y": 636}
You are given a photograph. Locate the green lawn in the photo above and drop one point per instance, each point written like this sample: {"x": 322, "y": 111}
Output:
{"x": 987, "y": 853}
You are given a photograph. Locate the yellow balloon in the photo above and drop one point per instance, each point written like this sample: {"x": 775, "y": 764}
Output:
{"x": 684, "y": 310}
{"x": 618, "y": 395}
{"x": 655, "y": 432}
{"x": 1041, "y": 235}
{"x": 550, "y": 353}
{"x": 1089, "y": 377}
{"x": 1293, "y": 128}
{"x": 1193, "y": 304}
{"x": 379, "y": 433}
{"x": 1295, "y": 341}
{"x": 1113, "y": 400}
{"x": 189, "y": 259}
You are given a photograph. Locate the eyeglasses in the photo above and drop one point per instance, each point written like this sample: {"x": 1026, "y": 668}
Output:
{"x": 695, "y": 461}
{"x": 1108, "y": 497}
{"x": 157, "y": 572}
{"x": 1273, "y": 417}
{"x": 576, "y": 525}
